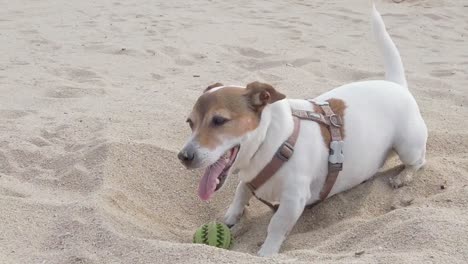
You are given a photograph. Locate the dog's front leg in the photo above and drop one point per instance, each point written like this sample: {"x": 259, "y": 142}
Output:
{"x": 281, "y": 224}
{"x": 236, "y": 209}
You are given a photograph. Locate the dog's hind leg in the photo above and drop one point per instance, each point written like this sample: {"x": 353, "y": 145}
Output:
{"x": 412, "y": 152}
{"x": 236, "y": 209}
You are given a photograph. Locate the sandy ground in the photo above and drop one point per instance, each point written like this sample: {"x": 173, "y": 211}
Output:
{"x": 93, "y": 99}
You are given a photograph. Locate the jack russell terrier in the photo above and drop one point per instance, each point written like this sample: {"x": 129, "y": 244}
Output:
{"x": 293, "y": 152}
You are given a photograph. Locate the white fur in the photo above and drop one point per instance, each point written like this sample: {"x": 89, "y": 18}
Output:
{"x": 206, "y": 157}
{"x": 394, "y": 70}
{"x": 380, "y": 116}
{"x": 224, "y": 86}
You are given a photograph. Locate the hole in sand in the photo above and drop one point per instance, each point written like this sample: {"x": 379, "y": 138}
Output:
{"x": 147, "y": 193}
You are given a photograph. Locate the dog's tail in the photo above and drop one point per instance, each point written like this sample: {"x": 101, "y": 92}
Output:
{"x": 394, "y": 70}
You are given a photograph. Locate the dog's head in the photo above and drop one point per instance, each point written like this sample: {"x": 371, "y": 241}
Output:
{"x": 220, "y": 119}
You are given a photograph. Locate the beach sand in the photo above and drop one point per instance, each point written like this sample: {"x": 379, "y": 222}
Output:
{"x": 94, "y": 97}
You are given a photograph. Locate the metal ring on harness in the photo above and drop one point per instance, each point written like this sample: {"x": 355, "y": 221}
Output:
{"x": 335, "y": 120}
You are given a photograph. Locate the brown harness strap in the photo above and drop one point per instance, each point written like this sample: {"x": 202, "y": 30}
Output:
{"x": 334, "y": 166}
{"x": 282, "y": 155}
{"x": 334, "y": 122}
{"x": 312, "y": 116}
{"x": 286, "y": 150}
{"x": 273, "y": 207}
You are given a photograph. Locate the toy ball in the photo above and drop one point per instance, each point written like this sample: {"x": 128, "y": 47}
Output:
{"x": 213, "y": 234}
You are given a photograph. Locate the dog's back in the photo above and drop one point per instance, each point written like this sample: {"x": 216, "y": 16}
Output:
{"x": 380, "y": 116}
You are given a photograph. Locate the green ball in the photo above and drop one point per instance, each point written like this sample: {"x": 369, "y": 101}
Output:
{"x": 213, "y": 234}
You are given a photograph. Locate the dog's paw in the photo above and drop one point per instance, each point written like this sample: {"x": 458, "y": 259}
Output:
{"x": 396, "y": 182}
{"x": 266, "y": 251}
{"x": 402, "y": 179}
{"x": 232, "y": 217}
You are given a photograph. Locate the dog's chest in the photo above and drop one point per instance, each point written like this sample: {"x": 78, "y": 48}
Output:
{"x": 271, "y": 190}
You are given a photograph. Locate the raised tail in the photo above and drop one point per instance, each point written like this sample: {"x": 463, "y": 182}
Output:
{"x": 394, "y": 70}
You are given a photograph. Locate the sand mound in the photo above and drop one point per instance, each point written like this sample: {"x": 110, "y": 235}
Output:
{"x": 370, "y": 220}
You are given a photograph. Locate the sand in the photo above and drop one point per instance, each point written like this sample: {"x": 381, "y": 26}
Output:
{"x": 93, "y": 101}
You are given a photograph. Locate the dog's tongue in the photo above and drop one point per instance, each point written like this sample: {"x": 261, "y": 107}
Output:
{"x": 208, "y": 182}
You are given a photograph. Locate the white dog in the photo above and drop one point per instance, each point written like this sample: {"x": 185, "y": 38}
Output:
{"x": 240, "y": 129}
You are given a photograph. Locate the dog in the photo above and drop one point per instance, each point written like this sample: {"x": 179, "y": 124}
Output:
{"x": 238, "y": 129}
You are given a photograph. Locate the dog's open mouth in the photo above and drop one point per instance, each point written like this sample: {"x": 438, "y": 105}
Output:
{"x": 215, "y": 174}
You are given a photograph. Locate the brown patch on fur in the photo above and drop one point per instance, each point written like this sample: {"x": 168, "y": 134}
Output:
{"x": 338, "y": 106}
{"x": 230, "y": 103}
{"x": 261, "y": 94}
{"x": 212, "y": 86}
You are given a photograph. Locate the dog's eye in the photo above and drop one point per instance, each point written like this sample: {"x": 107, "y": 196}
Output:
{"x": 219, "y": 120}
{"x": 190, "y": 122}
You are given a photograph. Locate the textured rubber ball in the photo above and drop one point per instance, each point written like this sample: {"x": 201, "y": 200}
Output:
{"x": 213, "y": 234}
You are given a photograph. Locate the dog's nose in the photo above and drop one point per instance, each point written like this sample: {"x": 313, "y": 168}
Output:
{"x": 185, "y": 156}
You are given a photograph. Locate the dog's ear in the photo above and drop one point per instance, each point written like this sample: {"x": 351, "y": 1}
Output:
{"x": 260, "y": 94}
{"x": 212, "y": 86}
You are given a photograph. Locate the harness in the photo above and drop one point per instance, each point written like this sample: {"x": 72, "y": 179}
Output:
{"x": 335, "y": 159}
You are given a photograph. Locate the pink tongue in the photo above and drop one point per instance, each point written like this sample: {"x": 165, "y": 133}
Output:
{"x": 207, "y": 185}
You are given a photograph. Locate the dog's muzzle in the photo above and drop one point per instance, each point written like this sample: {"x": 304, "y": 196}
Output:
{"x": 187, "y": 155}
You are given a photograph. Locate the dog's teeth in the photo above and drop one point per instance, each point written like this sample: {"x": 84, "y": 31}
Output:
{"x": 217, "y": 181}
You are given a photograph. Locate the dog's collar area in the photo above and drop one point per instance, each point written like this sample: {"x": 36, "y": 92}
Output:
{"x": 335, "y": 159}
{"x": 282, "y": 155}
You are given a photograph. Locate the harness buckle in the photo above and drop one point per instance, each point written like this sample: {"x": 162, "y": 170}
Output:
{"x": 285, "y": 151}
{"x": 314, "y": 115}
{"x": 336, "y": 152}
